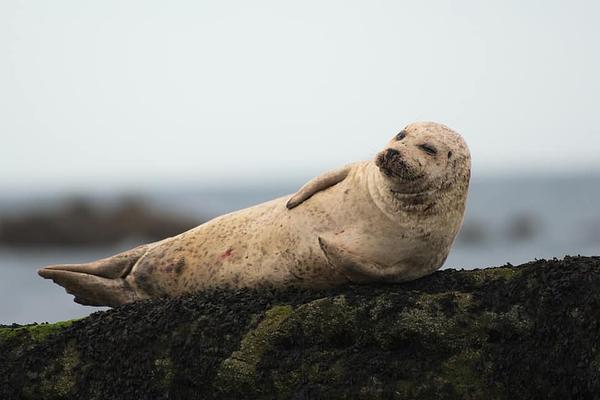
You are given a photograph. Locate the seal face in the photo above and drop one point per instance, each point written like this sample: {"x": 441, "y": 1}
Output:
{"x": 424, "y": 156}
{"x": 391, "y": 219}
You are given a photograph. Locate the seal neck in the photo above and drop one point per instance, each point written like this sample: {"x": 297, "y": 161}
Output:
{"x": 391, "y": 200}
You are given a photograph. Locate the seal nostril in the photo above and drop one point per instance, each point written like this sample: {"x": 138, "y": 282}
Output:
{"x": 392, "y": 152}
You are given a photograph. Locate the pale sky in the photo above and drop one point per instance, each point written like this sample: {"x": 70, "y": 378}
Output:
{"x": 162, "y": 91}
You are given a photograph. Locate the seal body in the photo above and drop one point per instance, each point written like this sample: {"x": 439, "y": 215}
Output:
{"x": 391, "y": 219}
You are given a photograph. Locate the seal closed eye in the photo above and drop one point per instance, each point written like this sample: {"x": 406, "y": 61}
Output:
{"x": 389, "y": 219}
{"x": 429, "y": 149}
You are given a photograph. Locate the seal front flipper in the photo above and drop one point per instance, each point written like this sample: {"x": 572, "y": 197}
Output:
{"x": 354, "y": 267}
{"x": 317, "y": 184}
{"x": 99, "y": 283}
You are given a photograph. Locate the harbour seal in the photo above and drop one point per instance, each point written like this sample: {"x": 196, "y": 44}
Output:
{"x": 390, "y": 219}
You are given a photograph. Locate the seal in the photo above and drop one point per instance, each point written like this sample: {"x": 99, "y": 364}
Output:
{"x": 390, "y": 219}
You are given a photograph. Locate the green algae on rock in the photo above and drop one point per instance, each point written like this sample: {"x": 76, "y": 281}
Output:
{"x": 511, "y": 332}
{"x": 29, "y": 335}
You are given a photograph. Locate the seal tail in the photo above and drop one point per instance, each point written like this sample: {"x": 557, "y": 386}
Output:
{"x": 99, "y": 283}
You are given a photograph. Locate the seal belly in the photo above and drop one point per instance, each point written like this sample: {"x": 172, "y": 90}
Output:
{"x": 245, "y": 248}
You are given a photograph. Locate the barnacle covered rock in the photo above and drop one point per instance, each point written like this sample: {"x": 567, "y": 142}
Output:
{"x": 530, "y": 331}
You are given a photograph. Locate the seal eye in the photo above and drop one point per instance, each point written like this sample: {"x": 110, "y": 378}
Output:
{"x": 401, "y": 135}
{"x": 428, "y": 149}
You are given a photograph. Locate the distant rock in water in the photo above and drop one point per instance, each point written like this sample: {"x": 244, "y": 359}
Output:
{"x": 523, "y": 227}
{"x": 527, "y": 332}
{"x": 81, "y": 223}
{"x": 473, "y": 233}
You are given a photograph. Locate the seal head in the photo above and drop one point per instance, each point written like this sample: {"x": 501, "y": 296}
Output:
{"x": 424, "y": 157}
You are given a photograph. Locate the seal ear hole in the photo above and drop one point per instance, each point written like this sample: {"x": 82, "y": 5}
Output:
{"x": 401, "y": 135}
{"x": 449, "y": 154}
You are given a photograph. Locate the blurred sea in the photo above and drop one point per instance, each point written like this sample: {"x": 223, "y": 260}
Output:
{"x": 508, "y": 220}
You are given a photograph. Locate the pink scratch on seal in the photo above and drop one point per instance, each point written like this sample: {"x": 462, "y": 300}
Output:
{"x": 227, "y": 254}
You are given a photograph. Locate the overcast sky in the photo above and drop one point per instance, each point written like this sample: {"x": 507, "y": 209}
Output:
{"x": 154, "y": 91}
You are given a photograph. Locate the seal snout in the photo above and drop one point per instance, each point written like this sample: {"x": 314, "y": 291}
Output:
{"x": 392, "y": 153}
{"x": 390, "y": 161}
{"x": 394, "y": 163}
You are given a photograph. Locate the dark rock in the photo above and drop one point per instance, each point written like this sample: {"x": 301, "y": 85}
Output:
{"x": 502, "y": 333}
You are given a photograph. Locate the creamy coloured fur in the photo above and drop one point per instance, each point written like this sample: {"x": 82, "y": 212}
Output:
{"x": 391, "y": 219}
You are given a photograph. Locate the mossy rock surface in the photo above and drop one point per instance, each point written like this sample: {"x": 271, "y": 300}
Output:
{"x": 502, "y": 333}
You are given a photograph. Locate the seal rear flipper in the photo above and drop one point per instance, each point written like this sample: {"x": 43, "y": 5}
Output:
{"x": 99, "y": 283}
{"x": 91, "y": 290}
{"x": 117, "y": 266}
{"x": 317, "y": 184}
